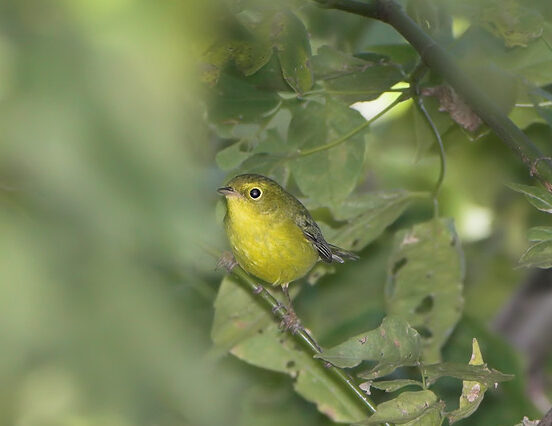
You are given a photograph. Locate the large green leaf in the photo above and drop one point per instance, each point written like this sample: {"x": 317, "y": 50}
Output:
{"x": 424, "y": 284}
{"x": 472, "y": 391}
{"x": 276, "y": 351}
{"x": 352, "y": 79}
{"x": 507, "y": 19}
{"x": 234, "y": 100}
{"x": 330, "y": 175}
{"x": 331, "y": 63}
{"x": 237, "y": 315}
{"x": 293, "y": 47}
{"x": 393, "y": 344}
{"x": 540, "y": 198}
{"x": 367, "y": 217}
{"x": 404, "y": 408}
{"x": 231, "y": 156}
{"x": 539, "y": 255}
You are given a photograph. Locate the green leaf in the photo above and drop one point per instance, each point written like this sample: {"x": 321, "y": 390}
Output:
{"x": 271, "y": 165}
{"x": 367, "y": 217}
{"x": 294, "y": 52}
{"x": 540, "y": 233}
{"x": 404, "y": 408}
{"x": 237, "y": 315}
{"x": 278, "y": 352}
{"x": 539, "y": 255}
{"x": 234, "y": 101}
{"x": 424, "y": 285}
{"x": 352, "y": 79}
{"x": 433, "y": 416}
{"x": 327, "y": 176}
{"x": 393, "y": 344}
{"x": 472, "y": 391}
{"x": 540, "y": 198}
{"x": 392, "y": 385}
{"x": 331, "y": 63}
{"x": 231, "y": 156}
{"x": 476, "y": 373}
{"x": 515, "y": 24}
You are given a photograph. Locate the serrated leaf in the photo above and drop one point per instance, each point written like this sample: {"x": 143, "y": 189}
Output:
{"x": 540, "y": 198}
{"x": 393, "y": 385}
{"x": 404, "y": 408}
{"x": 367, "y": 217}
{"x": 234, "y": 101}
{"x": 539, "y": 233}
{"x": 278, "y": 352}
{"x": 393, "y": 344}
{"x": 293, "y": 48}
{"x": 477, "y": 373}
{"x": 472, "y": 391}
{"x": 539, "y": 255}
{"x": 237, "y": 315}
{"x": 424, "y": 286}
{"x": 327, "y": 176}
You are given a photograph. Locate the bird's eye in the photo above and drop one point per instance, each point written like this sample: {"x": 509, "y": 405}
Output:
{"x": 255, "y": 193}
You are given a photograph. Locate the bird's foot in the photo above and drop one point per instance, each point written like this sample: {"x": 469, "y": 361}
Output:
{"x": 227, "y": 261}
{"x": 291, "y": 322}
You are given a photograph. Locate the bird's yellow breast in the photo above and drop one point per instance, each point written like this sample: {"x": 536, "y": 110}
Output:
{"x": 268, "y": 246}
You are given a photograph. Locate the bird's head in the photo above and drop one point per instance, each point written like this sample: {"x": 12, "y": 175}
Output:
{"x": 255, "y": 192}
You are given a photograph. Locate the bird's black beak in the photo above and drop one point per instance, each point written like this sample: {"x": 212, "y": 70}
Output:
{"x": 226, "y": 191}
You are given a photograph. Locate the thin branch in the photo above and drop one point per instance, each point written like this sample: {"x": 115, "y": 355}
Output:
{"x": 442, "y": 62}
{"x": 279, "y": 311}
{"x": 346, "y": 136}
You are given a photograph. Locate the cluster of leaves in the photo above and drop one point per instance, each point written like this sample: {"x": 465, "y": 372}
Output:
{"x": 280, "y": 96}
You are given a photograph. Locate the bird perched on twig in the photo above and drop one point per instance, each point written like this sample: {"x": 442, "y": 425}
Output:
{"x": 272, "y": 235}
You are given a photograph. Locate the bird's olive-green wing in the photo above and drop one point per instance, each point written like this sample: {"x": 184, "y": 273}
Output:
{"x": 313, "y": 233}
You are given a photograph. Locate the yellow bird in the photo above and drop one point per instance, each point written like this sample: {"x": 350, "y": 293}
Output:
{"x": 272, "y": 235}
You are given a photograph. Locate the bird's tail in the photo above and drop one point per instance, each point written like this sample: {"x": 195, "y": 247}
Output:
{"x": 341, "y": 255}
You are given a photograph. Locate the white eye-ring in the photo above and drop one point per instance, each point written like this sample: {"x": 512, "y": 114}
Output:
{"x": 255, "y": 193}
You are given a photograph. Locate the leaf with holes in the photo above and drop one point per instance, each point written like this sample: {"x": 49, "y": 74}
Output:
{"x": 424, "y": 285}
{"x": 393, "y": 344}
{"x": 539, "y": 255}
{"x": 328, "y": 176}
{"x": 275, "y": 351}
{"x": 294, "y": 52}
{"x": 406, "y": 407}
{"x": 540, "y": 198}
{"x": 472, "y": 391}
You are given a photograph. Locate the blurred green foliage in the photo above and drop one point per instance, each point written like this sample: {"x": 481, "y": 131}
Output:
{"x": 107, "y": 179}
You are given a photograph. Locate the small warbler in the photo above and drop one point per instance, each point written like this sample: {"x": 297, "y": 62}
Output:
{"x": 272, "y": 235}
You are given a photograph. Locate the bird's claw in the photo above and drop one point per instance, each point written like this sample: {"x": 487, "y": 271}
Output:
{"x": 227, "y": 261}
{"x": 291, "y": 322}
